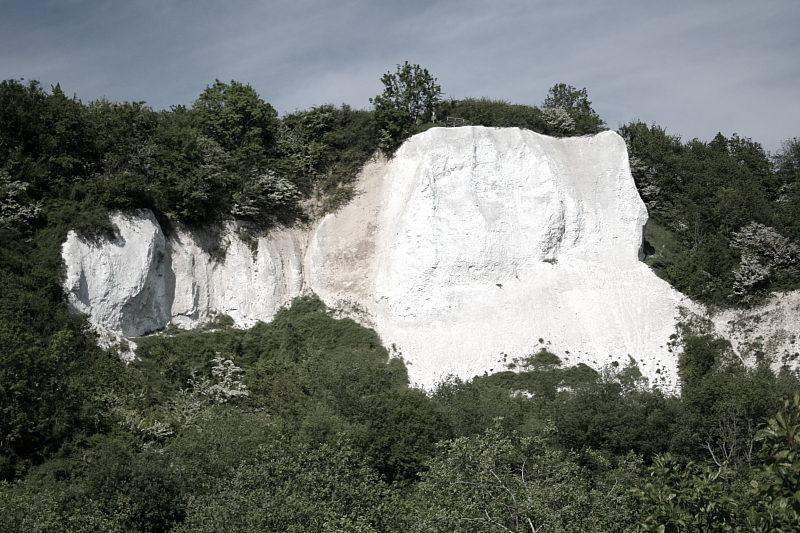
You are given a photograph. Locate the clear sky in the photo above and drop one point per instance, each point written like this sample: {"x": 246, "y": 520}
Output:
{"x": 694, "y": 67}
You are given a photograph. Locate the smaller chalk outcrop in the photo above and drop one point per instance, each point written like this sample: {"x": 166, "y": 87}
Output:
{"x": 120, "y": 283}
{"x": 141, "y": 281}
{"x": 770, "y": 329}
{"x": 248, "y": 279}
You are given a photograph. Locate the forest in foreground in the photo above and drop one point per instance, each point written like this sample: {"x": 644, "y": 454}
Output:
{"x": 307, "y": 423}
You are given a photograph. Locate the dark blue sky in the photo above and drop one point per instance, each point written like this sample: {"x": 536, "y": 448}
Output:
{"x": 695, "y": 67}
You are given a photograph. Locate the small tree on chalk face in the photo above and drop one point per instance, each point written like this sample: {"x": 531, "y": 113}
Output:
{"x": 409, "y": 96}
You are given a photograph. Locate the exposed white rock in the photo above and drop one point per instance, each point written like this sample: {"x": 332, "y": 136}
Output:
{"x": 475, "y": 243}
{"x": 218, "y": 273}
{"x": 141, "y": 281}
{"x": 120, "y": 283}
{"x": 772, "y": 328}
{"x": 463, "y": 251}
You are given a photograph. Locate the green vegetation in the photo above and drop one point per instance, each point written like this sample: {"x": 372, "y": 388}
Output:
{"x": 723, "y": 213}
{"x": 227, "y": 156}
{"x": 494, "y": 113}
{"x": 253, "y": 430}
{"x": 569, "y": 110}
{"x": 565, "y": 112}
{"x": 409, "y": 98}
{"x": 307, "y": 423}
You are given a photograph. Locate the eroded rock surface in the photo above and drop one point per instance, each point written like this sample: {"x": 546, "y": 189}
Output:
{"x": 220, "y": 273}
{"x": 475, "y": 243}
{"x": 142, "y": 281}
{"x": 771, "y": 329}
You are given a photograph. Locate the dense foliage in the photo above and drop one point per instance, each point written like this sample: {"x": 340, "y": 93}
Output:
{"x": 723, "y": 214}
{"x": 307, "y": 423}
{"x": 227, "y": 156}
{"x": 252, "y": 430}
{"x": 411, "y": 102}
{"x": 566, "y": 111}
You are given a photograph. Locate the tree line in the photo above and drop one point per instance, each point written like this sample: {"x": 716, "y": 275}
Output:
{"x": 307, "y": 424}
{"x": 723, "y": 214}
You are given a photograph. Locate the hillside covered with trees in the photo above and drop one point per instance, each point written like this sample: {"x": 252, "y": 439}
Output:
{"x": 307, "y": 423}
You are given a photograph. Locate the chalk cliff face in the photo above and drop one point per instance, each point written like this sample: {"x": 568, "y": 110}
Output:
{"x": 142, "y": 281}
{"x": 470, "y": 247}
{"x": 120, "y": 284}
{"x": 475, "y": 243}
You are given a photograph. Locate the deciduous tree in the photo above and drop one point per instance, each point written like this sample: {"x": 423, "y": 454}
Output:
{"x": 577, "y": 106}
{"x": 237, "y": 118}
{"x": 409, "y": 96}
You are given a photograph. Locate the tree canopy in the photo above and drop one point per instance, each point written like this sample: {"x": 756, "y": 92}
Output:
{"x": 410, "y": 96}
{"x": 580, "y": 117}
{"x": 721, "y": 213}
{"x": 237, "y": 118}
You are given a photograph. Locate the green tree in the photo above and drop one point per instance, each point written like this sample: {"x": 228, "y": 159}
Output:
{"x": 494, "y": 113}
{"x": 577, "y": 106}
{"x": 46, "y": 139}
{"x": 238, "y": 119}
{"x": 501, "y": 482}
{"x": 781, "y": 489}
{"x": 472, "y": 405}
{"x": 617, "y": 413}
{"x": 126, "y": 139}
{"x": 787, "y": 197}
{"x": 144, "y": 487}
{"x": 688, "y": 498}
{"x": 193, "y": 173}
{"x": 293, "y": 486}
{"x": 700, "y": 196}
{"x": 36, "y": 509}
{"x": 402, "y": 429}
{"x": 700, "y": 354}
{"x": 409, "y": 96}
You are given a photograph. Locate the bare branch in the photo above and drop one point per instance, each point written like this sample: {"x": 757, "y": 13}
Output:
{"x": 714, "y": 457}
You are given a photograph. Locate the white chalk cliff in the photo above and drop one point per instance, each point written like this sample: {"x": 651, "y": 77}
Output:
{"x": 142, "y": 281}
{"x": 463, "y": 251}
